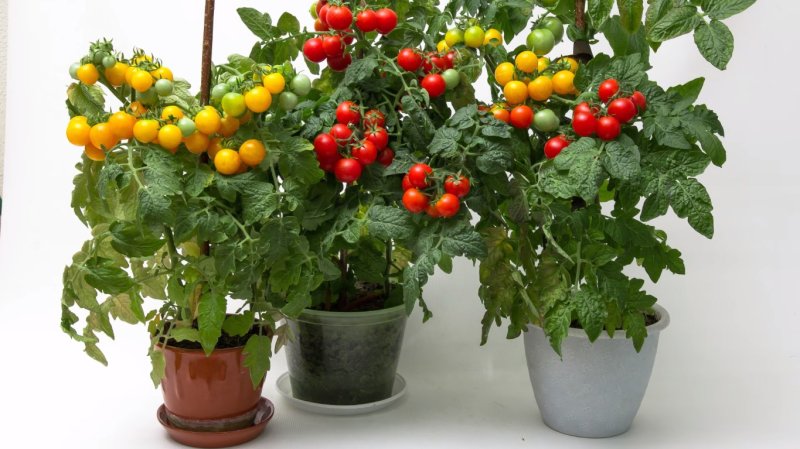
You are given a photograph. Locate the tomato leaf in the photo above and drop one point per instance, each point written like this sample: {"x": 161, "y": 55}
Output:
{"x": 257, "y": 352}
{"x": 676, "y": 22}
{"x": 288, "y": 24}
{"x": 238, "y": 325}
{"x": 622, "y": 159}
{"x": 259, "y": 24}
{"x": 599, "y": 10}
{"x": 715, "y": 42}
{"x": 630, "y": 12}
{"x": 722, "y": 9}
{"x": 211, "y": 316}
{"x": 387, "y": 223}
{"x": 591, "y": 311}
{"x": 133, "y": 241}
{"x": 159, "y": 366}
{"x": 105, "y": 276}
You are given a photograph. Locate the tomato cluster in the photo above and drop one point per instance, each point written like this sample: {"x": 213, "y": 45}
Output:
{"x": 439, "y": 73}
{"x": 473, "y": 37}
{"x": 338, "y": 20}
{"x": 606, "y": 120}
{"x": 353, "y": 142}
{"x": 419, "y": 179}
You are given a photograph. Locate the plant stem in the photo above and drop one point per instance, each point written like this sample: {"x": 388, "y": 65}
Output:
{"x": 343, "y": 268}
{"x": 578, "y": 266}
{"x": 205, "y": 76}
{"x": 386, "y": 284}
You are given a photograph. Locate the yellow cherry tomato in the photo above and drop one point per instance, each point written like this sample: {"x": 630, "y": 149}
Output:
{"x": 130, "y": 72}
{"x": 228, "y": 126}
{"x": 516, "y": 92}
{"x": 473, "y": 36}
{"x": 116, "y": 74}
{"x": 141, "y": 81}
{"x": 246, "y": 117}
{"x": 544, "y": 62}
{"x": 78, "y": 131}
{"x": 88, "y": 74}
{"x": 207, "y": 121}
{"x": 170, "y": 137}
{"x": 213, "y": 147}
{"x": 573, "y": 64}
{"x": 527, "y": 61}
{"x": 227, "y": 161}
{"x": 453, "y": 37}
{"x": 258, "y": 99}
{"x": 146, "y": 131}
{"x": 274, "y": 82}
{"x": 94, "y": 153}
{"x": 493, "y": 37}
{"x": 122, "y": 124}
{"x": 442, "y": 46}
{"x": 171, "y": 114}
{"x": 102, "y": 136}
{"x": 162, "y": 73}
{"x": 252, "y": 152}
{"x": 504, "y": 73}
{"x": 142, "y": 58}
{"x": 563, "y": 82}
{"x": 541, "y": 88}
{"x": 137, "y": 109}
{"x": 197, "y": 142}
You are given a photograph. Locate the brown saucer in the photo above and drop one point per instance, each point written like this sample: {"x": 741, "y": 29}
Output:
{"x": 265, "y": 410}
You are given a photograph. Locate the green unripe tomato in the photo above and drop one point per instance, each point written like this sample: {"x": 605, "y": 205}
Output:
{"x": 109, "y": 61}
{"x": 233, "y": 104}
{"x": 541, "y": 41}
{"x": 301, "y": 85}
{"x": 233, "y": 82}
{"x": 454, "y": 37}
{"x": 219, "y": 91}
{"x": 148, "y": 98}
{"x": 73, "y": 70}
{"x": 288, "y": 100}
{"x": 187, "y": 126}
{"x": 164, "y": 87}
{"x": 473, "y": 37}
{"x": 97, "y": 58}
{"x": 546, "y": 121}
{"x": 554, "y": 25}
{"x": 451, "y": 78}
{"x": 313, "y": 10}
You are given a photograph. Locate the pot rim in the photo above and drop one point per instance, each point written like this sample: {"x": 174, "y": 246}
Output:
{"x": 658, "y": 326}
{"x": 390, "y": 314}
{"x": 200, "y": 350}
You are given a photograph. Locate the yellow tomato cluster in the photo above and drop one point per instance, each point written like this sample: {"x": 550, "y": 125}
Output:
{"x": 473, "y": 37}
{"x": 528, "y": 78}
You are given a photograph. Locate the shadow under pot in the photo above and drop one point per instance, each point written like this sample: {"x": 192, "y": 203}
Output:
{"x": 345, "y": 358}
{"x": 596, "y": 389}
{"x": 209, "y": 393}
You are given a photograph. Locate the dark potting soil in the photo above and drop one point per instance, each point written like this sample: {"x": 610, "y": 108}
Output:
{"x": 225, "y": 341}
{"x": 367, "y": 297}
{"x": 648, "y": 320}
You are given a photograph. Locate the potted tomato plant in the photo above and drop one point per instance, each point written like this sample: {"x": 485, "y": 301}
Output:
{"x": 610, "y": 150}
{"x": 190, "y": 200}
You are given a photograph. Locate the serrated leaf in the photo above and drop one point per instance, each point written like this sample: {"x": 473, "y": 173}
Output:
{"x": 257, "y": 353}
{"x": 445, "y": 142}
{"x": 599, "y": 11}
{"x": 722, "y": 9}
{"x": 184, "y": 334}
{"x": 556, "y": 324}
{"x": 158, "y": 366}
{"x": 359, "y": 70}
{"x": 259, "y": 24}
{"x": 105, "y": 276}
{"x": 622, "y": 161}
{"x": 676, "y": 22}
{"x": 715, "y": 42}
{"x": 238, "y": 325}
{"x": 211, "y": 315}
{"x": 132, "y": 240}
{"x": 591, "y": 311}
{"x": 635, "y": 329}
{"x": 461, "y": 239}
{"x": 389, "y": 223}
{"x": 121, "y": 308}
{"x": 689, "y": 199}
{"x": 631, "y": 12}
{"x": 288, "y": 23}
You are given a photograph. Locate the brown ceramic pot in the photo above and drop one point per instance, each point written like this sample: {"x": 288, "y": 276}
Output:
{"x": 208, "y": 393}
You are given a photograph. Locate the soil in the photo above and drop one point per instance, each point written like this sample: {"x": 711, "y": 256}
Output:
{"x": 225, "y": 341}
{"x": 648, "y": 320}
{"x": 367, "y": 297}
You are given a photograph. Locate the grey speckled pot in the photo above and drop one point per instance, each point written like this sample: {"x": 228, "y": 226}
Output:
{"x": 596, "y": 390}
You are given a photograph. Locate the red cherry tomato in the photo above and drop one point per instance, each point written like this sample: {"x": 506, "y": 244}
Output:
{"x": 322, "y": 13}
{"x": 325, "y": 146}
{"x": 448, "y": 205}
{"x": 623, "y": 109}
{"x": 321, "y": 26}
{"x": 502, "y": 114}
{"x": 407, "y": 183}
{"x": 432, "y": 211}
{"x": 584, "y": 124}
{"x": 366, "y": 153}
{"x": 347, "y": 170}
{"x": 640, "y": 101}
{"x": 320, "y": 4}
{"x": 458, "y": 187}
{"x": 386, "y": 157}
{"x": 608, "y": 128}
{"x": 339, "y": 17}
{"x": 608, "y": 89}
{"x": 415, "y": 201}
{"x": 554, "y": 146}
{"x": 521, "y": 117}
{"x": 378, "y": 136}
{"x": 387, "y": 20}
{"x": 333, "y": 46}
{"x": 584, "y": 107}
{"x": 313, "y": 50}
{"x": 418, "y": 175}
{"x": 450, "y": 58}
{"x": 434, "y": 84}
{"x": 329, "y": 164}
{"x": 348, "y": 36}
{"x": 340, "y": 63}
{"x": 341, "y": 133}
{"x": 374, "y": 118}
{"x": 367, "y": 21}
{"x": 348, "y": 113}
{"x": 409, "y": 59}
{"x": 439, "y": 62}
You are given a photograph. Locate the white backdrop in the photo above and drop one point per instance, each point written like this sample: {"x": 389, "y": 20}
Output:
{"x": 728, "y": 370}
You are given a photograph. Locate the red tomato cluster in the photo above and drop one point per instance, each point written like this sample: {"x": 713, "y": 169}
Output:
{"x": 339, "y": 20}
{"x": 588, "y": 120}
{"x": 363, "y": 140}
{"x": 555, "y": 146}
{"x": 438, "y": 69}
{"x": 420, "y": 178}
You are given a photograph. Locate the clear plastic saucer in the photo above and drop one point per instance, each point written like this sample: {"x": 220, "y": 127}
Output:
{"x": 284, "y": 386}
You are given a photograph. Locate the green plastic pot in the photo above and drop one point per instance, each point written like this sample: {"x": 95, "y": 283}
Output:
{"x": 345, "y": 358}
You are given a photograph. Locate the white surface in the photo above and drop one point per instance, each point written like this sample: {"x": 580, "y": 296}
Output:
{"x": 727, "y": 373}
{"x": 284, "y": 387}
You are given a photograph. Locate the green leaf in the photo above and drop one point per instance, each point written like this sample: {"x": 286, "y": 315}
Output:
{"x": 288, "y": 24}
{"x": 198, "y": 180}
{"x": 445, "y": 142}
{"x": 132, "y": 240}
{"x": 712, "y": 146}
{"x": 211, "y": 316}
{"x": 494, "y": 161}
{"x": 105, "y": 276}
{"x": 257, "y": 353}
{"x": 389, "y": 223}
{"x": 259, "y": 24}
{"x": 460, "y": 238}
{"x": 159, "y": 366}
{"x": 298, "y": 162}
{"x": 359, "y": 70}
{"x": 417, "y": 127}
{"x": 556, "y": 324}
{"x": 591, "y": 312}
{"x": 635, "y": 328}
{"x": 624, "y": 43}
{"x": 238, "y": 325}
{"x": 122, "y": 308}
{"x": 689, "y": 199}
{"x": 622, "y": 161}
{"x": 86, "y": 99}
{"x": 599, "y": 11}
{"x": 184, "y": 334}
{"x": 676, "y": 22}
{"x": 259, "y": 201}
{"x": 715, "y": 42}
{"x": 722, "y": 9}
{"x": 631, "y": 12}
{"x": 94, "y": 352}
{"x": 687, "y": 93}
